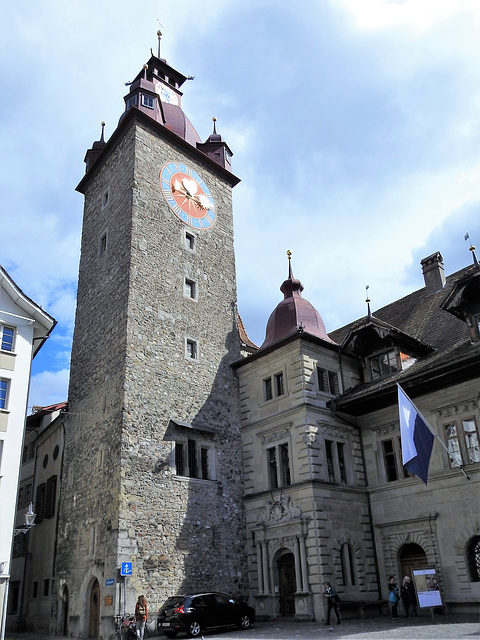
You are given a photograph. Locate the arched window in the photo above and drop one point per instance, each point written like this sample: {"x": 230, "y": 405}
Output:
{"x": 346, "y": 558}
{"x": 473, "y": 558}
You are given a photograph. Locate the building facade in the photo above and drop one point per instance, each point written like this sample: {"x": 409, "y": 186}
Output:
{"x": 33, "y": 556}
{"x": 153, "y": 473}
{"x": 327, "y": 498}
{"x": 24, "y": 327}
{"x": 194, "y": 460}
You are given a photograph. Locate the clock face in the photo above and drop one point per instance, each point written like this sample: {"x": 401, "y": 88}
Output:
{"x": 166, "y": 94}
{"x": 187, "y": 195}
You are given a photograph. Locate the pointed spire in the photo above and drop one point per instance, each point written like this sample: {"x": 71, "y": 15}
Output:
{"x": 97, "y": 148}
{"x": 216, "y": 148}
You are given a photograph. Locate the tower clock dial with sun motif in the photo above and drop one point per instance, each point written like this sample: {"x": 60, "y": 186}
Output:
{"x": 187, "y": 195}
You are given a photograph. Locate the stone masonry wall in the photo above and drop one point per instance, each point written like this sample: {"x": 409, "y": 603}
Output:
{"x": 189, "y": 534}
{"x": 121, "y": 500}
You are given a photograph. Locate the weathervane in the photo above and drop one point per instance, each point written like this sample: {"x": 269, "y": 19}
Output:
{"x": 472, "y": 249}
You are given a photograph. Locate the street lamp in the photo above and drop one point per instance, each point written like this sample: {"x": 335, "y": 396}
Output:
{"x": 29, "y": 521}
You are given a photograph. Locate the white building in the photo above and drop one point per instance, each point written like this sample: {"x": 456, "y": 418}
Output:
{"x": 24, "y": 327}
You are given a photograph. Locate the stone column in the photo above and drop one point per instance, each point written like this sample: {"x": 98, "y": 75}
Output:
{"x": 266, "y": 581}
{"x": 303, "y": 564}
{"x": 261, "y": 589}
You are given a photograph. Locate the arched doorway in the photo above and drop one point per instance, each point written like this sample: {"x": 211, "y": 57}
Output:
{"x": 287, "y": 584}
{"x": 94, "y": 614}
{"x": 411, "y": 557}
{"x": 63, "y": 612}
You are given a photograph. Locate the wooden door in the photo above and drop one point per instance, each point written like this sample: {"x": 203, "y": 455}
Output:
{"x": 287, "y": 584}
{"x": 94, "y": 617}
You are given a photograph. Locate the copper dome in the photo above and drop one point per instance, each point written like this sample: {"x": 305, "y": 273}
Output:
{"x": 293, "y": 315}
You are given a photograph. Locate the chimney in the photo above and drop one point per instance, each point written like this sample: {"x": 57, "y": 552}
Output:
{"x": 433, "y": 272}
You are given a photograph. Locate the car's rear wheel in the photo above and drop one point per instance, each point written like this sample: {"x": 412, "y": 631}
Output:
{"x": 245, "y": 622}
{"x": 170, "y": 634}
{"x": 194, "y": 629}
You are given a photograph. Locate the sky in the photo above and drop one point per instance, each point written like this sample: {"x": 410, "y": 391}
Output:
{"x": 355, "y": 128}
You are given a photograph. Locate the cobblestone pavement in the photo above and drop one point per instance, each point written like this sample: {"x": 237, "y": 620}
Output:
{"x": 440, "y": 627}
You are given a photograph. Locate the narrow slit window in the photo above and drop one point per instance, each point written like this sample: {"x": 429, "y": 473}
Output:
{"x": 191, "y": 350}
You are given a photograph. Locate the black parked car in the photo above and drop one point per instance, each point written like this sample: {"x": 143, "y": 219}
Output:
{"x": 194, "y": 613}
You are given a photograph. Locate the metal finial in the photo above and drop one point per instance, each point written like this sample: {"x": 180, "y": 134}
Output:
{"x": 214, "y": 125}
{"x": 159, "y": 36}
{"x": 367, "y": 287}
{"x": 472, "y": 249}
{"x": 103, "y": 129}
{"x": 289, "y": 256}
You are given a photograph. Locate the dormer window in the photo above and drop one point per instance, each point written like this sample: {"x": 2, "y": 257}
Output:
{"x": 383, "y": 364}
{"x": 148, "y": 101}
{"x": 132, "y": 102}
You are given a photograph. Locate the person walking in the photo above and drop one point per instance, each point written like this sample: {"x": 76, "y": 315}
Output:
{"x": 141, "y": 616}
{"x": 393, "y": 596}
{"x": 332, "y": 601}
{"x": 407, "y": 593}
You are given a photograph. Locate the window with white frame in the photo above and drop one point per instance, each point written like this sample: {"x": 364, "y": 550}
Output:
{"x": 328, "y": 381}
{"x": 148, "y": 101}
{"x": 462, "y": 441}
{"x": 7, "y": 335}
{"x": 194, "y": 458}
{"x": 4, "y": 386}
{"x": 278, "y": 462}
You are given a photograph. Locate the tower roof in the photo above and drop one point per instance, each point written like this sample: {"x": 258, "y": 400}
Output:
{"x": 293, "y": 314}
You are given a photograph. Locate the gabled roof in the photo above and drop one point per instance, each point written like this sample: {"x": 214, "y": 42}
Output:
{"x": 355, "y": 342}
{"x": 420, "y": 316}
{"x": 33, "y": 312}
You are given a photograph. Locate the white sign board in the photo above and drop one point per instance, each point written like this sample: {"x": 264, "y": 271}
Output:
{"x": 426, "y": 584}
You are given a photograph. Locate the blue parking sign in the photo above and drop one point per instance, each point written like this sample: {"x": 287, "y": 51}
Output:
{"x": 126, "y": 569}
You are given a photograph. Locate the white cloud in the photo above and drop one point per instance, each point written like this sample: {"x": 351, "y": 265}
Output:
{"x": 417, "y": 14}
{"x": 47, "y": 388}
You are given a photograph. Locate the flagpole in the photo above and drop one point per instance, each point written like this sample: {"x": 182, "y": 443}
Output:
{"x": 460, "y": 466}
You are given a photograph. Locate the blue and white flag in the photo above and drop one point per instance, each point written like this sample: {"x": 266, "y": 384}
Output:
{"x": 417, "y": 438}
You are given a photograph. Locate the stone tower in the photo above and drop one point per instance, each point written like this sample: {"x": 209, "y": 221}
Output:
{"x": 153, "y": 463}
